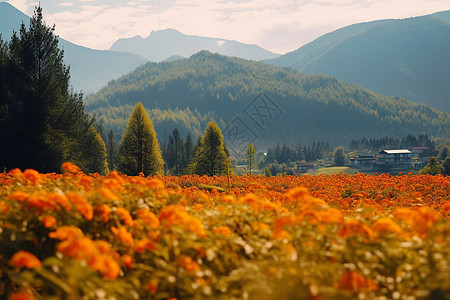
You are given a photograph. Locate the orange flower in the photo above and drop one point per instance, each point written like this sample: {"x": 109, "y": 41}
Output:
{"x": 128, "y": 261}
{"x": 49, "y": 221}
{"x": 144, "y": 244}
{"x": 148, "y": 217}
{"x": 280, "y": 234}
{"x": 103, "y": 211}
{"x": 297, "y": 194}
{"x": 108, "y": 194}
{"x": 69, "y": 167}
{"x": 356, "y": 282}
{"x": 223, "y": 230}
{"x": 331, "y": 216}
{"x": 19, "y": 196}
{"x": 123, "y": 235}
{"x": 22, "y": 295}
{"x": 125, "y": 215}
{"x": 385, "y": 225}
{"x": 81, "y": 204}
{"x": 60, "y": 199}
{"x": 188, "y": 264}
{"x": 65, "y": 232}
{"x": 33, "y": 176}
{"x": 109, "y": 268}
{"x": 79, "y": 248}
{"x": 155, "y": 184}
{"x": 25, "y": 259}
{"x": 176, "y": 216}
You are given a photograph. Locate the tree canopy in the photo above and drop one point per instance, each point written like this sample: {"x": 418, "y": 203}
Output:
{"x": 139, "y": 150}
{"x": 210, "y": 157}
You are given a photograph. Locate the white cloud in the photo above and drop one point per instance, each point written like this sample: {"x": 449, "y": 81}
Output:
{"x": 279, "y": 26}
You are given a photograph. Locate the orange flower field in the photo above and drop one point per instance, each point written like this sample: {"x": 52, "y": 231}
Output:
{"x": 78, "y": 236}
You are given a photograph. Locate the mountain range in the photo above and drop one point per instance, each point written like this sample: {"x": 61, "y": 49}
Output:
{"x": 270, "y": 103}
{"x": 407, "y": 58}
{"x": 91, "y": 69}
{"x": 164, "y": 44}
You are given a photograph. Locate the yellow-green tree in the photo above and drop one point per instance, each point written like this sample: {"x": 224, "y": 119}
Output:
{"x": 138, "y": 150}
{"x": 251, "y": 157}
{"x": 210, "y": 157}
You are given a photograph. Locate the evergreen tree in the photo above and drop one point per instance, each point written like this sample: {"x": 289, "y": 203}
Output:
{"x": 175, "y": 152}
{"x": 111, "y": 145}
{"x": 138, "y": 150}
{"x": 266, "y": 172}
{"x": 210, "y": 157}
{"x": 93, "y": 160}
{"x": 189, "y": 150}
{"x": 443, "y": 153}
{"x": 339, "y": 157}
{"x": 432, "y": 168}
{"x": 43, "y": 122}
{"x": 446, "y": 166}
{"x": 251, "y": 157}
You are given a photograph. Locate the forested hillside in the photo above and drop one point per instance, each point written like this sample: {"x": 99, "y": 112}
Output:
{"x": 407, "y": 58}
{"x": 301, "y": 107}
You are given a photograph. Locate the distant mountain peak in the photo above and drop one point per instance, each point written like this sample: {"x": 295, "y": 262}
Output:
{"x": 163, "y": 44}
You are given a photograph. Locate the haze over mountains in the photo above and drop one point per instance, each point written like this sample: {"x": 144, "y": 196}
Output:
{"x": 407, "y": 58}
{"x": 163, "y": 44}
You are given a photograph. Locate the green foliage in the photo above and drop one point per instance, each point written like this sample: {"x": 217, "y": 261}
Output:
{"x": 322, "y": 106}
{"x": 42, "y": 122}
{"x": 138, "y": 150}
{"x": 266, "y": 172}
{"x": 175, "y": 154}
{"x": 339, "y": 157}
{"x": 443, "y": 153}
{"x": 432, "y": 168}
{"x": 251, "y": 157}
{"x": 446, "y": 166}
{"x": 210, "y": 157}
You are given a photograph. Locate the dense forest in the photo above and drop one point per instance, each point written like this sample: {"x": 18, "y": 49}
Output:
{"x": 299, "y": 107}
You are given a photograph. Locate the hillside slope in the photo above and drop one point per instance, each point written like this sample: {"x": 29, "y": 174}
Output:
{"x": 407, "y": 58}
{"x": 294, "y": 107}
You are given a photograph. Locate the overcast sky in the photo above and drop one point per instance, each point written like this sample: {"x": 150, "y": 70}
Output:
{"x": 276, "y": 25}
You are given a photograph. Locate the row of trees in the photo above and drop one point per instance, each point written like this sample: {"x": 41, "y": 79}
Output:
{"x": 139, "y": 151}
{"x": 285, "y": 153}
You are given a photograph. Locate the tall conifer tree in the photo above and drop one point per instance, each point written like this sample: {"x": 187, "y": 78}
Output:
{"x": 41, "y": 120}
{"x": 210, "y": 157}
{"x": 138, "y": 150}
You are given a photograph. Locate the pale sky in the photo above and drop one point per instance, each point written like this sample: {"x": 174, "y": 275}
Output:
{"x": 279, "y": 26}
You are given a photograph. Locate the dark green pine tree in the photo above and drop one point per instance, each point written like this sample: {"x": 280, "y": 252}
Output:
{"x": 175, "y": 153}
{"x": 41, "y": 120}
{"x": 210, "y": 157}
{"x": 189, "y": 151}
{"x": 339, "y": 157}
{"x": 111, "y": 148}
{"x": 138, "y": 150}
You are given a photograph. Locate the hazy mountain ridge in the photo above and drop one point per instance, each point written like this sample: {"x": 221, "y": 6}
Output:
{"x": 404, "y": 57}
{"x": 90, "y": 69}
{"x": 313, "y": 107}
{"x": 163, "y": 44}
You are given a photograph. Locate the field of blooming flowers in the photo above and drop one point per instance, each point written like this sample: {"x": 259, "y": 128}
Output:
{"x": 78, "y": 236}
